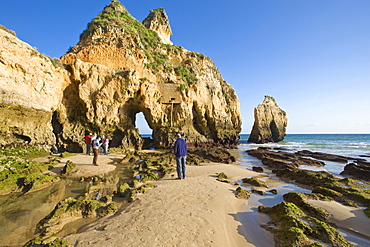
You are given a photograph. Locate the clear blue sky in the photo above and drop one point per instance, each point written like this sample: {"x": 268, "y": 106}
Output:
{"x": 312, "y": 56}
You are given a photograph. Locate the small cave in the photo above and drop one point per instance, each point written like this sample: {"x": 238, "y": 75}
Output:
{"x": 274, "y": 131}
{"x": 27, "y": 139}
{"x": 62, "y": 145}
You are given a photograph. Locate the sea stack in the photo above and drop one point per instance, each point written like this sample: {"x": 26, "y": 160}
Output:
{"x": 270, "y": 122}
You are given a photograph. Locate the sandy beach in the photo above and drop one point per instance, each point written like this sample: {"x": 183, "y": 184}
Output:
{"x": 196, "y": 211}
{"x": 350, "y": 219}
{"x": 84, "y": 165}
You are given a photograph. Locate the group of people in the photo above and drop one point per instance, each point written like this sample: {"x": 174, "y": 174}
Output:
{"x": 102, "y": 143}
{"x": 98, "y": 144}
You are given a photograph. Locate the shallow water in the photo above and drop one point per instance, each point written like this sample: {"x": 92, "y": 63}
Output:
{"x": 252, "y": 215}
{"x": 351, "y": 145}
{"x": 20, "y": 213}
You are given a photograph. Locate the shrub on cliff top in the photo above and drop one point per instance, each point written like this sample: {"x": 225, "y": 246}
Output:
{"x": 116, "y": 15}
{"x": 8, "y": 30}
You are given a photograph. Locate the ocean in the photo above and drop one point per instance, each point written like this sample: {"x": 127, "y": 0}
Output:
{"x": 352, "y": 145}
{"x": 349, "y": 145}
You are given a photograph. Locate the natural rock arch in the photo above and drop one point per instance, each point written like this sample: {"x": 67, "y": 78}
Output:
{"x": 118, "y": 68}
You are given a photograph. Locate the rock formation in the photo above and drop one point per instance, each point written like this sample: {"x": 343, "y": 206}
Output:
{"x": 158, "y": 21}
{"x": 31, "y": 88}
{"x": 120, "y": 67}
{"x": 269, "y": 122}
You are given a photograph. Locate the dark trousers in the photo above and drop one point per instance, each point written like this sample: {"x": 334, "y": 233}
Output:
{"x": 96, "y": 153}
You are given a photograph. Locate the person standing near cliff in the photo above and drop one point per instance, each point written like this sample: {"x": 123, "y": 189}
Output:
{"x": 106, "y": 145}
{"x": 180, "y": 150}
{"x": 96, "y": 145}
{"x": 87, "y": 139}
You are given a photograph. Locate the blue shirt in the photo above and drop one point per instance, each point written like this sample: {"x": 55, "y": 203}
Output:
{"x": 180, "y": 148}
{"x": 96, "y": 144}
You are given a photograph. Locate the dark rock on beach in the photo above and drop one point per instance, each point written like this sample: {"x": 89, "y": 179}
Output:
{"x": 323, "y": 156}
{"x": 360, "y": 171}
{"x": 257, "y": 169}
{"x": 219, "y": 155}
{"x": 272, "y": 158}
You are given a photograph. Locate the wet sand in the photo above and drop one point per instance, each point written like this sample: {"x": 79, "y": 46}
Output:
{"x": 196, "y": 211}
{"x": 350, "y": 219}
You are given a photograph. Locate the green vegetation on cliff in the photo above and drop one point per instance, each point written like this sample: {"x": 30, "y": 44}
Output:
{"x": 8, "y": 30}
{"x": 185, "y": 74}
{"x": 116, "y": 17}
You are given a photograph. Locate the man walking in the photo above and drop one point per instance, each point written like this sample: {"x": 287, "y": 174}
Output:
{"x": 96, "y": 146}
{"x": 180, "y": 150}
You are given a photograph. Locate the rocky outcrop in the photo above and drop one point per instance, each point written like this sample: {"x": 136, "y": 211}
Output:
{"x": 158, "y": 21}
{"x": 359, "y": 171}
{"x": 31, "y": 88}
{"x": 120, "y": 67}
{"x": 269, "y": 122}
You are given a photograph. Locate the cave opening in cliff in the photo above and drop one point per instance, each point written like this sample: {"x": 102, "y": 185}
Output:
{"x": 144, "y": 130}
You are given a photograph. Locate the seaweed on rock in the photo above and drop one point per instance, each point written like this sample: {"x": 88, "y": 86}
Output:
{"x": 348, "y": 191}
{"x": 48, "y": 242}
{"x": 242, "y": 193}
{"x": 70, "y": 210}
{"x": 254, "y": 181}
{"x": 292, "y": 227}
{"x": 299, "y": 199}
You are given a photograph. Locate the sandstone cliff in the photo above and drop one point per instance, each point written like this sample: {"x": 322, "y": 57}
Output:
{"x": 121, "y": 67}
{"x": 31, "y": 88}
{"x": 269, "y": 122}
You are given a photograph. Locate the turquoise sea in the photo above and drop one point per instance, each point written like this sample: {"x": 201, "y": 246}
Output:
{"x": 352, "y": 145}
{"x": 349, "y": 145}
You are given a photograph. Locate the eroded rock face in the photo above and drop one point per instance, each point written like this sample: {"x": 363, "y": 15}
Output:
{"x": 269, "y": 122}
{"x": 31, "y": 88}
{"x": 158, "y": 21}
{"x": 120, "y": 69}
